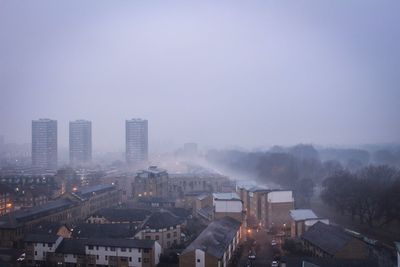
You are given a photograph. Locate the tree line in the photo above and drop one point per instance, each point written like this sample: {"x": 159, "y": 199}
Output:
{"x": 371, "y": 195}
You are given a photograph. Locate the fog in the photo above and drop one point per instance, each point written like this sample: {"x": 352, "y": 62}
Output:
{"x": 219, "y": 73}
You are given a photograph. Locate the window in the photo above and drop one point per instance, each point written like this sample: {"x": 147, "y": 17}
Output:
{"x": 139, "y": 250}
{"x": 146, "y": 260}
{"x": 123, "y": 249}
{"x": 44, "y": 244}
{"x": 49, "y": 245}
{"x": 198, "y": 260}
{"x": 157, "y": 237}
{"x": 130, "y": 250}
{"x": 146, "y": 250}
{"x": 139, "y": 259}
{"x": 168, "y": 235}
{"x": 130, "y": 258}
{"x": 97, "y": 247}
{"x": 112, "y": 249}
{"x": 90, "y": 247}
{"x": 97, "y": 257}
{"x": 106, "y": 248}
{"x": 35, "y": 253}
{"x": 175, "y": 234}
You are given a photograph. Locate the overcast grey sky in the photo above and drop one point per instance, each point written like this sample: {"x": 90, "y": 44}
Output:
{"x": 220, "y": 73}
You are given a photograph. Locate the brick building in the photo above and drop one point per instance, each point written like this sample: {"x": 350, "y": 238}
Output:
{"x": 329, "y": 241}
{"x": 215, "y": 246}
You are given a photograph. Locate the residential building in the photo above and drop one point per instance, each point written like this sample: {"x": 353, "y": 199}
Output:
{"x": 66, "y": 209}
{"x": 163, "y": 227}
{"x": 109, "y": 230}
{"x": 152, "y": 182}
{"x": 302, "y": 220}
{"x": 329, "y": 241}
{"x": 276, "y": 209}
{"x": 228, "y": 204}
{"x": 80, "y": 142}
{"x": 56, "y": 251}
{"x": 215, "y": 246}
{"x": 397, "y": 244}
{"x": 44, "y": 144}
{"x": 186, "y": 183}
{"x": 136, "y": 141}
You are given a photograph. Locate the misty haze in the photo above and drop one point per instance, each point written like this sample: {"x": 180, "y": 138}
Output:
{"x": 200, "y": 133}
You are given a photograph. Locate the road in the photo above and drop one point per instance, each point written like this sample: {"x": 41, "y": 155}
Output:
{"x": 262, "y": 248}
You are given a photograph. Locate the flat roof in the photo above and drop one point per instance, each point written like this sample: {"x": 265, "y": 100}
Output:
{"x": 226, "y": 196}
{"x": 302, "y": 214}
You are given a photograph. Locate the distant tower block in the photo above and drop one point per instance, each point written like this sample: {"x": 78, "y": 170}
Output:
{"x": 137, "y": 146}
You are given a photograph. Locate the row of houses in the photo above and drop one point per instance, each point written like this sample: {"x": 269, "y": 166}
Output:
{"x": 67, "y": 208}
{"x": 54, "y": 250}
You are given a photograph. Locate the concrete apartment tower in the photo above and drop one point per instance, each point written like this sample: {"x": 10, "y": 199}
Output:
{"x": 137, "y": 146}
{"x": 44, "y": 144}
{"x": 80, "y": 142}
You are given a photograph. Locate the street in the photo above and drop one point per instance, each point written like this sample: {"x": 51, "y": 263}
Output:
{"x": 260, "y": 243}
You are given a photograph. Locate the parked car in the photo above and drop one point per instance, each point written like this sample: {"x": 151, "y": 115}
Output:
{"x": 275, "y": 264}
{"x": 22, "y": 257}
{"x": 273, "y": 242}
{"x": 252, "y": 255}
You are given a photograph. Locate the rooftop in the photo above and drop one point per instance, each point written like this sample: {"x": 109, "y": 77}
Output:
{"x": 302, "y": 214}
{"x": 226, "y": 196}
{"x": 161, "y": 220}
{"x": 120, "y": 243}
{"x": 17, "y": 217}
{"x": 295, "y": 261}
{"x": 330, "y": 239}
{"x": 124, "y": 215}
{"x": 72, "y": 246}
{"x": 112, "y": 230}
{"x": 87, "y": 191}
{"x": 216, "y": 237}
{"x": 40, "y": 238}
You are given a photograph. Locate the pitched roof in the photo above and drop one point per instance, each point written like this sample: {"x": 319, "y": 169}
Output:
{"x": 296, "y": 261}
{"x": 330, "y": 239}
{"x": 47, "y": 228}
{"x": 161, "y": 220}
{"x": 216, "y": 237}
{"x": 21, "y": 216}
{"x": 40, "y": 238}
{"x": 88, "y": 191}
{"x": 302, "y": 214}
{"x": 124, "y": 215}
{"x": 120, "y": 243}
{"x": 72, "y": 246}
{"x": 113, "y": 230}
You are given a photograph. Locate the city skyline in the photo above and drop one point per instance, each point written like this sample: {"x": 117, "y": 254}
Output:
{"x": 247, "y": 74}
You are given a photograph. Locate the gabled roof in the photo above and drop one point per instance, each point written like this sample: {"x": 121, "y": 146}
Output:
{"x": 216, "y": 237}
{"x": 302, "y": 214}
{"x": 161, "y": 220}
{"x": 328, "y": 238}
{"x": 40, "y": 238}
